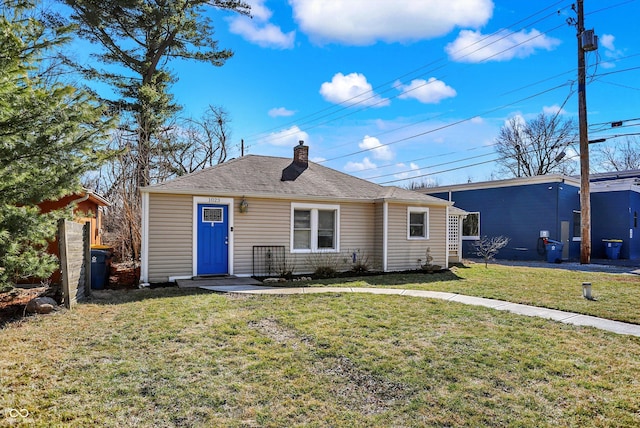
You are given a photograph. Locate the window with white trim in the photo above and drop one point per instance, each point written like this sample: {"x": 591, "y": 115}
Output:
{"x": 417, "y": 223}
{"x": 314, "y": 227}
{"x": 471, "y": 227}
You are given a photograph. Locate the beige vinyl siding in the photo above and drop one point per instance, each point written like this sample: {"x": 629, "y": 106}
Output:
{"x": 357, "y": 232}
{"x": 170, "y": 236}
{"x": 404, "y": 253}
{"x": 268, "y": 222}
{"x": 265, "y": 223}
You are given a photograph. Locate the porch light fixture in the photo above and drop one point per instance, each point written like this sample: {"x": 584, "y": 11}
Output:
{"x": 244, "y": 206}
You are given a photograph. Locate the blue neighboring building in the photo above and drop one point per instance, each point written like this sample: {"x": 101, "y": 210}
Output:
{"x": 524, "y": 209}
{"x": 615, "y": 207}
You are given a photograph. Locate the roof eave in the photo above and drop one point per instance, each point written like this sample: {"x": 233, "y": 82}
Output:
{"x": 283, "y": 196}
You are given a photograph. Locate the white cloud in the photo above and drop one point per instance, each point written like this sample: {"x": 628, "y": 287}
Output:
{"x": 366, "y": 164}
{"x": 428, "y": 92}
{"x": 552, "y": 110}
{"x": 414, "y": 171}
{"x": 259, "y": 30}
{"x": 607, "y": 41}
{"x": 518, "y": 118}
{"x": 365, "y": 22}
{"x": 473, "y": 46}
{"x": 378, "y": 151}
{"x": 281, "y": 112}
{"x": 352, "y": 88}
{"x": 286, "y": 137}
{"x": 477, "y": 120}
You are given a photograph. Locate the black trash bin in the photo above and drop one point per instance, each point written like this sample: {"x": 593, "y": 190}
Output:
{"x": 99, "y": 268}
{"x": 554, "y": 251}
{"x": 612, "y": 248}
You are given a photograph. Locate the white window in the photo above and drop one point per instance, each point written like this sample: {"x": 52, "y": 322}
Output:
{"x": 211, "y": 215}
{"x": 417, "y": 223}
{"x": 314, "y": 227}
{"x": 471, "y": 227}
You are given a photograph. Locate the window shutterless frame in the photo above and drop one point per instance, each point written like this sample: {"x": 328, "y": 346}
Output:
{"x": 417, "y": 223}
{"x": 314, "y": 228}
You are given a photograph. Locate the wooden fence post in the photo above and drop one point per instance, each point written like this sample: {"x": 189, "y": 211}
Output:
{"x": 75, "y": 261}
{"x": 86, "y": 238}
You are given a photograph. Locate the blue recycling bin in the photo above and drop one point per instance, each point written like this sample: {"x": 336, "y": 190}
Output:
{"x": 99, "y": 271}
{"x": 554, "y": 251}
{"x": 612, "y": 248}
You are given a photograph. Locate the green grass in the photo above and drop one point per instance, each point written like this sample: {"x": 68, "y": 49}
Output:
{"x": 170, "y": 357}
{"x": 617, "y": 295}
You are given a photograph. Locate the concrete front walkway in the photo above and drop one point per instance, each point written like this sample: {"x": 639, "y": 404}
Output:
{"x": 532, "y": 311}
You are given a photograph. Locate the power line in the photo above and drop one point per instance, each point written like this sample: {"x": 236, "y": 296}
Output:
{"x": 440, "y": 172}
{"x": 432, "y": 166}
{"x": 489, "y": 161}
{"x": 439, "y": 128}
{"x": 347, "y": 103}
{"x": 459, "y": 121}
{"x": 425, "y": 158}
{"x": 615, "y": 121}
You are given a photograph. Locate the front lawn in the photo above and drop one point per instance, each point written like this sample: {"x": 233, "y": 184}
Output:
{"x": 171, "y": 357}
{"x": 617, "y": 295}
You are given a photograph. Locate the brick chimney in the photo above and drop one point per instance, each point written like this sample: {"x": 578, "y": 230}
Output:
{"x": 301, "y": 154}
{"x": 299, "y": 165}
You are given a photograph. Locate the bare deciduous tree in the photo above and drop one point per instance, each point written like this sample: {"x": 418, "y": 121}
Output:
{"x": 193, "y": 144}
{"x": 188, "y": 145}
{"x": 487, "y": 248}
{"x": 619, "y": 157}
{"x": 425, "y": 183}
{"x": 536, "y": 147}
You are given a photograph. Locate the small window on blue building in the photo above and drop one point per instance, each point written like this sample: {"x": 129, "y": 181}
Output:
{"x": 577, "y": 229}
{"x": 471, "y": 226}
{"x": 635, "y": 219}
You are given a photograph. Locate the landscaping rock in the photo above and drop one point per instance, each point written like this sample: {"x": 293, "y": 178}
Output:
{"x": 273, "y": 280}
{"x": 41, "y": 305}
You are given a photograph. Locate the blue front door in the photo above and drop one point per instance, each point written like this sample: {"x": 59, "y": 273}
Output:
{"x": 213, "y": 239}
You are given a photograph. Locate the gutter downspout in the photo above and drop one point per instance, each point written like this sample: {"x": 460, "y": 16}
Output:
{"x": 385, "y": 236}
{"x": 77, "y": 201}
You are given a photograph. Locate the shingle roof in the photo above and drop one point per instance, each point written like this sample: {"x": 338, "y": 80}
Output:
{"x": 260, "y": 176}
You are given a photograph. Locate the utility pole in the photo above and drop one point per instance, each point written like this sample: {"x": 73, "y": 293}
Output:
{"x": 585, "y": 196}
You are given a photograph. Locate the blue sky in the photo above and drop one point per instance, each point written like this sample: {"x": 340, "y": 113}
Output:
{"x": 395, "y": 90}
